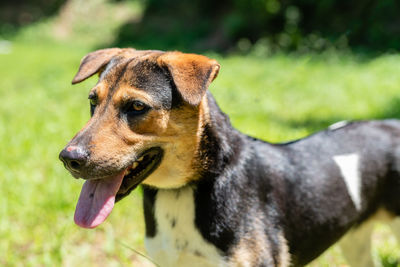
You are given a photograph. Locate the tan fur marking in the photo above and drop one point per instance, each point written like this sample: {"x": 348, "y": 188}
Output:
{"x": 246, "y": 253}
{"x": 101, "y": 90}
{"x": 179, "y": 141}
{"x": 204, "y": 114}
{"x": 254, "y": 246}
{"x": 284, "y": 255}
{"x": 129, "y": 93}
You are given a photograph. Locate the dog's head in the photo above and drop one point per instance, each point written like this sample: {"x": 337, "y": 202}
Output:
{"x": 147, "y": 111}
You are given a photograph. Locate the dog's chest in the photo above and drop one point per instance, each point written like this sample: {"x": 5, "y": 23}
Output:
{"x": 177, "y": 241}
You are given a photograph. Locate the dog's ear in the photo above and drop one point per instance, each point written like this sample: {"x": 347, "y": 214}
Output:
{"x": 93, "y": 62}
{"x": 192, "y": 74}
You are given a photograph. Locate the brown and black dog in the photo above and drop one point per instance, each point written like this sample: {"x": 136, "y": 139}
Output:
{"x": 212, "y": 195}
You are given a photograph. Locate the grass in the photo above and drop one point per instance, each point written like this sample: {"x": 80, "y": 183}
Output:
{"x": 277, "y": 99}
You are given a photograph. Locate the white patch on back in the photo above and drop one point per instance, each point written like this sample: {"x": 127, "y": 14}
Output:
{"x": 338, "y": 125}
{"x": 178, "y": 242}
{"x": 348, "y": 165}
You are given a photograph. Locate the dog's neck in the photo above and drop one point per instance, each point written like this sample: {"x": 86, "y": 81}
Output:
{"x": 218, "y": 141}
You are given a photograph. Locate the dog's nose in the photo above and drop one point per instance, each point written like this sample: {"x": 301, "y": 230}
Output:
{"x": 74, "y": 157}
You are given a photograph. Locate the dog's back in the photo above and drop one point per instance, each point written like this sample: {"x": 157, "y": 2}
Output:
{"x": 336, "y": 179}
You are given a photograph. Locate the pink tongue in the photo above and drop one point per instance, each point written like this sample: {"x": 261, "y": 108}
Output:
{"x": 96, "y": 201}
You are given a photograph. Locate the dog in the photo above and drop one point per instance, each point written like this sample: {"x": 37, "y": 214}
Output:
{"x": 213, "y": 196}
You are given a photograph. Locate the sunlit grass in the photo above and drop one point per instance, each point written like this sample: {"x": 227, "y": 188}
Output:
{"x": 278, "y": 99}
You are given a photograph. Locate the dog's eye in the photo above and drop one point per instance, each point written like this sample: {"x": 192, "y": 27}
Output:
{"x": 93, "y": 99}
{"x": 93, "y": 102}
{"x": 136, "y": 108}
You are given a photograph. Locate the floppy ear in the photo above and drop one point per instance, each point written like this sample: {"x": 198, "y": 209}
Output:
{"x": 192, "y": 74}
{"x": 93, "y": 62}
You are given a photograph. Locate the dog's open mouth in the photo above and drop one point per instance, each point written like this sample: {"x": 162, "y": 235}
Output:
{"x": 139, "y": 170}
{"x": 97, "y": 197}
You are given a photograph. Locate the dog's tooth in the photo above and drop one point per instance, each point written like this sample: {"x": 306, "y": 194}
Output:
{"x": 141, "y": 158}
{"x": 135, "y": 164}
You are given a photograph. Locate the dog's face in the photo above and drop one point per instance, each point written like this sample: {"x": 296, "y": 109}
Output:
{"x": 147, "y": 109}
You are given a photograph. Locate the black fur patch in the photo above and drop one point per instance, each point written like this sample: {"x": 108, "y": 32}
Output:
{"x": 149, "y": 197}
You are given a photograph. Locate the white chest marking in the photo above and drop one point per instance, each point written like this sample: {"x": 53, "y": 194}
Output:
{"x": 178, "y": 242}
{"x": 349, "y": 169}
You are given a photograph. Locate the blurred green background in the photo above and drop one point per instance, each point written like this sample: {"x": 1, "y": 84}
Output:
{"x": 289, "y": 68}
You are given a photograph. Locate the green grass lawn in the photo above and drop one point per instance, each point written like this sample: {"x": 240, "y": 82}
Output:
{"x": 277, "y": 98}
